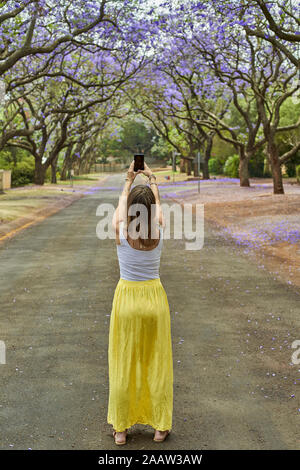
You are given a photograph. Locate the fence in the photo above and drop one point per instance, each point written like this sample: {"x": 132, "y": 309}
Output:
{"x": 117, "y": 167}
{"x": 107, "y": 167}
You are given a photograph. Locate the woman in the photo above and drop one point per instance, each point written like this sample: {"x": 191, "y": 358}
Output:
{"x": 140, "y": 349}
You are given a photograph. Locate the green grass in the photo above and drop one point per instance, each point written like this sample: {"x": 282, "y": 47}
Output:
{"x": 24, "y": 202}
{"x": 177, "y": 176}
{"x": 30, "y": 193}
{"x": 81, "y": 180}
{"x": 164, "y": 172}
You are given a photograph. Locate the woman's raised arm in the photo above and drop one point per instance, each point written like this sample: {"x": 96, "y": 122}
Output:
{"x": 121, "y": 210}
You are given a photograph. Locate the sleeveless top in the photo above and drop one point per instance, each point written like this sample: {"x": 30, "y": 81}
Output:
{"x": 138, "y": 265}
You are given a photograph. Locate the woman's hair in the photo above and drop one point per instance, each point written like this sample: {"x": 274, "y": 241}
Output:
{"x": 142, "y": 194}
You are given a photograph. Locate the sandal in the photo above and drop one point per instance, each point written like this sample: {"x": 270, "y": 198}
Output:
{"x": 119, "y": 443}
{"x": 162, "y": 440}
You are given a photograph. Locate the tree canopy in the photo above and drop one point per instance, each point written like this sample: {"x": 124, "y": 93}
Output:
{"x": 186, "y": 74}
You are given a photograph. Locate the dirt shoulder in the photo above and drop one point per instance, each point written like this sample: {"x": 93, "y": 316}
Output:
{"x": 265, "y": 224}
{"x": 28, "y": 205}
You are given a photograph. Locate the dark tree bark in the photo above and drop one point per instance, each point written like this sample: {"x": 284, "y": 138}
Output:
{"x": 67, "y": 163}
{"x": 39, "y": 172}
{"x": 243, "y": 168}
{"x": 276, "y": 168}
{"x": 182, "y": 165}
{"x": 205, "y": 170}
{"x": 54, "y": 170}
{"x": 207, "y": 154}
{"x": 188, "y": 167}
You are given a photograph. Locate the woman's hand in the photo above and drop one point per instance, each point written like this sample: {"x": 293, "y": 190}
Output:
{"x": 130, "y": 173}
{"x": 147, "y": 171}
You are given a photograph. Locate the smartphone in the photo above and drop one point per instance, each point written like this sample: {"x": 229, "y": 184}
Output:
{"x": 138, "y": 162}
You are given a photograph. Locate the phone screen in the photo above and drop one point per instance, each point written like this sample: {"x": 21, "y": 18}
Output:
{"x": 138, "y": 162}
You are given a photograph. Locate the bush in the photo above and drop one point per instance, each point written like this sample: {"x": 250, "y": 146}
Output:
{"x": 298, "y": 173}
{"x": 291, "y": 165}
{"x": 23, "y": 172}
{"x": 215, "y": 166}
{"x": 231, "y": 167}
{"x": 267, "y": 173}
{"x": 256, "y": 165}
{"x": 290, "y": 169}
{"x": 4, "y": 160}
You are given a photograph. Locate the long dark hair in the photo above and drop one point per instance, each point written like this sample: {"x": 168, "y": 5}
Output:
{"x": 142, "y": 194}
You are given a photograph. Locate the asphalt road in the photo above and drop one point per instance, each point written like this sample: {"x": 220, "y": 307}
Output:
{"x": 232, "y": 330}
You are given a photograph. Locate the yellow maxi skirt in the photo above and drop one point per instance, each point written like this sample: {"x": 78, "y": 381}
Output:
{"x": 140, "y": 356}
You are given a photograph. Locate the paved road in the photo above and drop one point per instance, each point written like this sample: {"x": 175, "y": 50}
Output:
{"x": 232, "y": 330}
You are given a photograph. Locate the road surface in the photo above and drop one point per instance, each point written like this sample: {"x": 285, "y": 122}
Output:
{"x": 232, "y": 330}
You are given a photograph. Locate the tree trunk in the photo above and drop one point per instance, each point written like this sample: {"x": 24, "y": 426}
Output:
{"x": 272, "y": 151}
{"x": 188, "y": 166}
{"x": 39, "y": 172}
{"x": 243, "y": 169}
{"x": 53, "y": 174}
{"x": 53, "y": 171}
{"x": 63, "y": 175}
{"x": 276, "y": 169}
{"x": 195, "y": 167}
{"x": 277, "y": 178}
{"x": 76, "y": 160}
{"x": 67, "y": 163}
{"x": 207, "y": 154}
{"x": 81, "y": 166}
{"x": 89, "y": 155}
{"x": 89, "y": 162}
{"x": 86, "y": 168}
{"x": 76, "y": 167}
{"x": 182, "y": 166}
{"x": 205, "y": 169}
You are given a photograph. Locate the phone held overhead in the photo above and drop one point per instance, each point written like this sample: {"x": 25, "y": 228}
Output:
{"x": 138, "y": 162}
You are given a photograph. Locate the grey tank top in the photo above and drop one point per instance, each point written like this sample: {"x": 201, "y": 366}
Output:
{"x": 138, "y": 265}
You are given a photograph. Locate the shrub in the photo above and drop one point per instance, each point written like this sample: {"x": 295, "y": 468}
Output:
{"x": 4, "y": 160}
{"x": 291, "y": 165}
{"x": 298, "y": 173}
{"x": 256, "y": 165}
{"x": 23, "y": 172}
{"x": 231, "y": 167}
{"x": 215, "y": 166}
{"x": 267, "y": 173}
